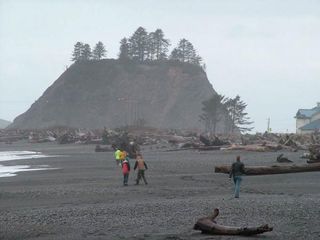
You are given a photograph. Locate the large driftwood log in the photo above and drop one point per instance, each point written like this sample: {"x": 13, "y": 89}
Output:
{"x": 100, "y": 148}
{"x": 255, "y": 147}
{"x": 276, "y": 169}
{"x": 208, "y": 148}
{"x": 208, "y": 225}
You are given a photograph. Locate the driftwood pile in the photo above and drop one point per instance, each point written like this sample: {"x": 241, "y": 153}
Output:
{"x": 10, "y": 136}
{"x": 169, "y": 140}
{"x": 208, "y": 225}
{"x": 314, "y": 153}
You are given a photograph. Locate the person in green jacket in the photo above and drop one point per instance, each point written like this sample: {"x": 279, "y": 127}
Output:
{"x": 117, "y": 155}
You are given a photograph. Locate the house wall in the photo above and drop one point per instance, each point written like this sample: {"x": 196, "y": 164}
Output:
{"x": 315, "y": 117}
{"x": 306, "y": 131}
{"x": 300, "y": 122}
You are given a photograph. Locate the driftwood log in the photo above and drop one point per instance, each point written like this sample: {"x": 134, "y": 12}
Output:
{"x": 208, "y": 148}
{"x": 102, "y": 148}
{"x": 282, "y": 159}
{"x": 208, "y": 225}
{"x": 276, "y": 169}
{"x": 254, "y": 147}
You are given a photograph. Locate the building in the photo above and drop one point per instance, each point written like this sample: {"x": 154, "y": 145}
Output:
{"x": 308, "y": 120}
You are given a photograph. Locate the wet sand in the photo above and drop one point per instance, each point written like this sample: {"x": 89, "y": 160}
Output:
{"x": 84, "y": 198}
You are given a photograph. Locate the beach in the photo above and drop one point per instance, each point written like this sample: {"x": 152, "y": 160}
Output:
{"x": 82, "y": 196}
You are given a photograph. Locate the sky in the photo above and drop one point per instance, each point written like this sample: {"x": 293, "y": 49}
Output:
{"x": 265, "y": 51}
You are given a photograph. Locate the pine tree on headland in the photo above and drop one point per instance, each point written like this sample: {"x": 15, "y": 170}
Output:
{"x": 213, "y": 110}
{"x": 161, "y": 45}
{"x": 185, "y": 52}
{"x": 99, "y": 51}
{"x": 138, "y": 45}
{"x": 124, "y": 49}
{"x": 151, "y": 47}
{"x": 77, "y": 52}
{"x": 239, "y": 118}
{"x": 86, "y": 52}
{"x": 176, "y": 54}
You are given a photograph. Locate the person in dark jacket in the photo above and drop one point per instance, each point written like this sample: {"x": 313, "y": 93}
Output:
{"x": 237, "y": 169}
{"x": 142, "y": 166}
{"x": 125, "y": 170}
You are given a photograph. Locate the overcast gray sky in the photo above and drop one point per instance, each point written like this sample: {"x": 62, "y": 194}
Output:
{"x": 267, "y": 51}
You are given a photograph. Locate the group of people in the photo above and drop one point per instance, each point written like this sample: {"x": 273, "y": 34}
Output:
{"x": 122, "y": 159}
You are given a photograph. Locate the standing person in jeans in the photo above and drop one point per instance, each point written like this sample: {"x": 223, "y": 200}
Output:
{"x": 142, "y": 166}
{"x": 237, "y": 169}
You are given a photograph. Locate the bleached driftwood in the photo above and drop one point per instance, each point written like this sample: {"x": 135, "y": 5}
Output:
{"x": 254, "y": 147}
{"x": 276, "y": 169}
{"x": 208, "y": 225}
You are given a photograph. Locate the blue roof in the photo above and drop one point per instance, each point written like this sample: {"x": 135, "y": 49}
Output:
{"x": 307, "y": 113}
{"x": 312, "y": 126}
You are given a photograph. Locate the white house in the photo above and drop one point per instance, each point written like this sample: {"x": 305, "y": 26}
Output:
{"x": 308, "y": 120}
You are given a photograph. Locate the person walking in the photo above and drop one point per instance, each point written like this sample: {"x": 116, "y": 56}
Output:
{"x": 117, "y": 155}
{"x": 142, "y": 166}
{"x": 237, "y": 169}
{"x": 125, "y": 170}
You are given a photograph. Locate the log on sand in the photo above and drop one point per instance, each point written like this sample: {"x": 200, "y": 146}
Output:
{"x": 208, "y": 148}
{"x": 208, "y": 225}
{"x": 276, "y": 169}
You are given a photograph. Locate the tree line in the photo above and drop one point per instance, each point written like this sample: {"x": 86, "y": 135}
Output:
{"x": 141, "y": 46}
{"x": 219, "y": 106}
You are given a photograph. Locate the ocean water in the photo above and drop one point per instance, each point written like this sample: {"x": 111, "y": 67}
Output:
{"x": 10, "y": 171}
{"x": 19, "y": 155}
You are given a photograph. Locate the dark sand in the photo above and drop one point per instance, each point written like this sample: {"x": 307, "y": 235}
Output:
{"x": 85, "y": 198}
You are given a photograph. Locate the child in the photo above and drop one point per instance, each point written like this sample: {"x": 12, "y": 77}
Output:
{"x": 125, "y": 170}
{"x": 142, "y": 166}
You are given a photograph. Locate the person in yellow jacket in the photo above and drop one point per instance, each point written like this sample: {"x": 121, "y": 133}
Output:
{"x": 123, "y": 155}
{"x": 117, "y": 155}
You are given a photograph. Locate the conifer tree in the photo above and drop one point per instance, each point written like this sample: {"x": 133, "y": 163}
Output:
{"x": 161, "y": 45}
{"x": 239, "y": 118}
{"x": 151, "y": 46}
{"x": 124, "y": 49}
{"x": 176, "y": 54}
{"x": 213, "y": 110}
{"x": 86, "y": 52}
{"x": 138, "y": 44}
{"x": 185, "y": 52}
{"x": 77, "y": 52}
{"x": 99, "y": 51}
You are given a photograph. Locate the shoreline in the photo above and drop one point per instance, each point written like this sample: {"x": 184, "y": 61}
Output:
{"x": 85, "y": 199}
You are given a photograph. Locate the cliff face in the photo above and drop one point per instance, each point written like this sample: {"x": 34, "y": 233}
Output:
{"x": 111, "y": 93}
